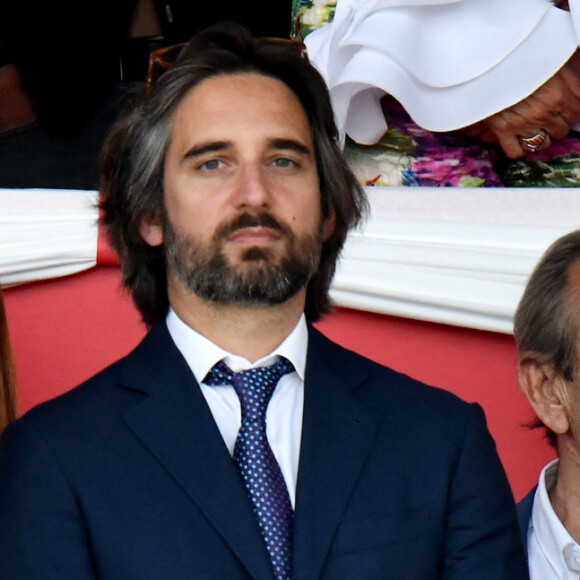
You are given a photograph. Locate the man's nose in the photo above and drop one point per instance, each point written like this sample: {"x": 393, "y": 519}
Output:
{"x": 252, "y": 187}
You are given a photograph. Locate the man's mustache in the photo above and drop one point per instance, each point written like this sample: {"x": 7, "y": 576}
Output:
{"x": 247, "y": 220}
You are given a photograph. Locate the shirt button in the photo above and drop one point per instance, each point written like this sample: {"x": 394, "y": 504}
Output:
{"x": 572, "y": 556}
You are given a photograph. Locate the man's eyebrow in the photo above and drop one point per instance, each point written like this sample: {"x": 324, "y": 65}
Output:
{"x": 203, "y": 148}
{"x": 290, "y": 144}
{"x": 214, "y": 146}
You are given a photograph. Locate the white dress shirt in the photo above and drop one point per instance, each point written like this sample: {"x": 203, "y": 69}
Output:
{"x": 552, "y": 552}
{"x": 284, "y": 413}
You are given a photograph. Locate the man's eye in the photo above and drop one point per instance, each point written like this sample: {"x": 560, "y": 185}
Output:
{"x": 211, "y": 165}
{"x": 284, "y": 163}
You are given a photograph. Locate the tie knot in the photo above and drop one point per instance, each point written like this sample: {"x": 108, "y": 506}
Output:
{"x": 254, "y": 387}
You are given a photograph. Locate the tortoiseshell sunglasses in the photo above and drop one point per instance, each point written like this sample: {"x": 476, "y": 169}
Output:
{"x": 162, "y": 59}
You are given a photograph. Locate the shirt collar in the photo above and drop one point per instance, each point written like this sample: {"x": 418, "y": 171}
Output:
{"x": 556, "y": 543}
{"x": 201, "y": 354}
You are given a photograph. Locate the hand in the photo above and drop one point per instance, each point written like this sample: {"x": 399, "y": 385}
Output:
{"x": 16, "y": 107}
{"x": 554, "y": 107}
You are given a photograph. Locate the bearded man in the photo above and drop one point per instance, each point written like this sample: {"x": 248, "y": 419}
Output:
{"x": 236, "y": 441}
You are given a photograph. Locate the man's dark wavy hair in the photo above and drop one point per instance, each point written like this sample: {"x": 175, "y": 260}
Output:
{"x": 134, "y": 156}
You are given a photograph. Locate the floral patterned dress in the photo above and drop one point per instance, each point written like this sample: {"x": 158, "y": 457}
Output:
{"x": 408, "y": 155}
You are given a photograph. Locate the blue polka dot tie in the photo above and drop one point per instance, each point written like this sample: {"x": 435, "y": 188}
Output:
{"x": 255, "y": 460}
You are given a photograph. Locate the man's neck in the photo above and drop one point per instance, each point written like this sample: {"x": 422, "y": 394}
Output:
{"x": 248, "y": 331}
{"x": 565, "y": 496}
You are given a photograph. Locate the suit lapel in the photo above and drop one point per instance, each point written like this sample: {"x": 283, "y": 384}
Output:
{"x": 337, "y": 435}
{"x": 525, "y": 507}
{"x": 174, "y": 422}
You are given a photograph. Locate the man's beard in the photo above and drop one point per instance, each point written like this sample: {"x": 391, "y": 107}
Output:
{"x": 262, "y": 277}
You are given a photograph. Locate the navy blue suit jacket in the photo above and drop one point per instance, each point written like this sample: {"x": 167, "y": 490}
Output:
{"x": 127, "y": 477}
{"x": 524, "y": 508}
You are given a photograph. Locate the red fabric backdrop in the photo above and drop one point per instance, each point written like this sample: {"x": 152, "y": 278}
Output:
{"x": 65, "y": 330}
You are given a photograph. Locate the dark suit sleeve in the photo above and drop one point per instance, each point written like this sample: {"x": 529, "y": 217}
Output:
{"x": 482, "y": 539}
{"x": 41, "y": 529}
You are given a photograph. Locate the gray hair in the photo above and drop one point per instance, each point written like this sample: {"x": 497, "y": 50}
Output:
{"x": 545, "y": 321}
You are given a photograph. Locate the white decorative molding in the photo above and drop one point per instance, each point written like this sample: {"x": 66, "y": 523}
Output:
{"x": 450, "y": 255}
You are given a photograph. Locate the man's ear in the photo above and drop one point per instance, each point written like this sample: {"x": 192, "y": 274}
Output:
{"x": 151, "y": 231}
{"x": 546, "y": 391}
{"x": 329, "y": 225}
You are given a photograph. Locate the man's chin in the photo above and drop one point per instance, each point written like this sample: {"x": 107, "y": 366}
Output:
{"x": 255, "y": 258}
{"x": 255, "y": 271}
{"x": 256, "y": 254}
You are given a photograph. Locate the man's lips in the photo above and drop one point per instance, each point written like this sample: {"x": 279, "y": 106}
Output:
{"x": 254, "y": 235}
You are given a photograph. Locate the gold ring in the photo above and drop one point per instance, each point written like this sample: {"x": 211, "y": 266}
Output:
{"x": 535, "y": 142}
